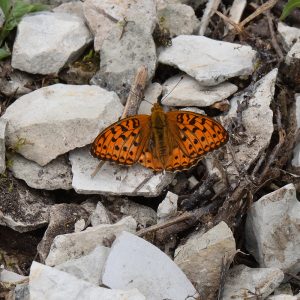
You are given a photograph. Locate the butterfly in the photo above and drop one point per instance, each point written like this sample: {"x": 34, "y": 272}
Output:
{"x": 170, "y": 141}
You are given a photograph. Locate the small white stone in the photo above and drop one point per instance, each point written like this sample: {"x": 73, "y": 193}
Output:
{"x": 88, "y": 267}
{"x": 236, "y": 10}
{"x": 273, "y": 222}
{"x": 200, "y": 258}
{"x": 114, "y": 179}
{"x": 152, "y": 92}
{"x": 73, "y": 7}
{"x": 282, "y": 297}
{"x": 100, "y": 215}
{"x": 135, "y": 263}
{"x": 190, "y": 93}
{"x": 296, "y": 157}
{"x": 36, "y": 47}
{"x": 11, "y": 277}
{"x": 52, "y": 284}
{"x": 167, "y": 208}
{"x": 192, "y": 182}
{"x": 3, "y": 124}
{"x": 243, "y": 282}
{"x": 210, "y": 9}
{"x": 79, "y": 225}
{"x": 208, "y": 61}
{"x": 293, "y": 54}
{"x": 55, "y": 175}
{"x": 74, "y": 245}
{"x": 289, "y": 34}
{"x": 56, "y": 119}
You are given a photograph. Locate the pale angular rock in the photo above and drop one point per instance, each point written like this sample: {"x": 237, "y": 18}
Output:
{"x": 55, "y": 175}
{"x": 121, "y": 58}
{"x": 152, "y": 92}
{"x": 210, "y": 9}
{"x": 11, "y": 277}
{"x": 209, "y": 61}
{"x": 243, "y": 282}
{"x": 60, "y": 215}
{"x": 284, "y": 288}
{"x": 151, "y": 271}
{"x": 114, "y": 179}
{"x": 296, "y": 156}
{"x": 36, "y": 47}
{"x": 107, "y": 16}
{"x": 288, "y": 34}
{"x": 72, "y": 7}
{"x": 55, "y": 119}
{"x": 51, "y": 284}
{"x": 235, "y": 13}
{"x": 100, "y": 215}
{"x": 283, "y": 297}
{"x": 273, "y": 230}
{"x": 179, "y": 19}
{"x": 21, "y": 292}
{"x": 200, "y": 258}
{"x": 3, "y": 124}
{"x": 80, "y": 225}
{"x": 167, "y": 208}
{"x": 88, "y": 267}
{"x": 293, "y": 54}
{"x": 74, "y": 245}
{"x": 190, "y": 93}
{"x": 193, "y": 182}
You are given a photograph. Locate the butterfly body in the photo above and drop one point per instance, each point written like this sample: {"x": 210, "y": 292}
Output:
{"x": 169, "y": 141}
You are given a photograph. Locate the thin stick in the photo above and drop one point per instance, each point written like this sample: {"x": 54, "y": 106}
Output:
{"x": 97, "y": 169}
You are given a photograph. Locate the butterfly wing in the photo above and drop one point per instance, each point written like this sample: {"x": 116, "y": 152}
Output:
{"x": 123, "y": 141}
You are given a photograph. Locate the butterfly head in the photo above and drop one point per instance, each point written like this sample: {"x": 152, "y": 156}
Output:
{"x": 156, "y": 107}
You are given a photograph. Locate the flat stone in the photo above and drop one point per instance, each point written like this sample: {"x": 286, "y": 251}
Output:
{"x": 75, "y": 245}
{"x": 52, "y": 284}
{"x": 3, "y": 124}
{"x": 200, "y": 258}
{"x": 209, "y": 61}
{"x": 167, "y": 208}
{"x": 7, "y": 276}
{"x": 63, "y": 116}
{"x": 294, "y": 53}
{"x": 72, "y": 7}
{"x": 152, "y": 92}
{"x": 121, "y": 58}
{"x": 107, "y": 16}
{"x": 36, "y": 47}
{"x": 296, "y": 156}
{"x": 114, "y": 179}
{"x": 60, "y": 215}
{"x": 100, "y": 215}
{"x": 190, "y": 93}
{"x": 55, "y": 175}
{"x": 179, "y": 19}
{"x": 88, "y": 267}
{"x": 283, "y": 297}
{"x": 288, "y": 34}
{"x": 151, "y": 270}
{"x": 273, "y": 223}
{"x": 243, "y": 282}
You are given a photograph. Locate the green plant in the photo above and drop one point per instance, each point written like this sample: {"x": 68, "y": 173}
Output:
{"x": 13, "y": 12}
{"x": 289, "y": 7}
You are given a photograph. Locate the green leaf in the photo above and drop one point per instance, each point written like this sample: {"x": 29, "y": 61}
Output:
{"x": 4, "y": 53}
{"x": 289, "y": 7}
{"x": 5, "y": 6}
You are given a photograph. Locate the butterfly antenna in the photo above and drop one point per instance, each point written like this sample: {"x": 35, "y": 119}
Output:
{"x": 172, "y": 89}
{"x": 142, "y": 98}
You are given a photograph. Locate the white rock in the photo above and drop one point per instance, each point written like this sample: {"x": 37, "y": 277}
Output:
{"x": 235, "y": 13}
{"x": 288, "y": 34}
{"x": 46, "y": 41}
{"x": 200, "y": 258}
{"x": 208, "y": 61}
{"x": 80, "y": 225}
{"x": 210, "y": 9}
{"x": 296, "y": 156}
{"x": 243, "y": 282}
{"x": 135, "y": 263}
{"x": 3, "y": 124}
{"x": 114, "y": 179}
{"x": 51, "y": 284}
{"x": 72, "y": 7}
{"x": 293, "y": 54}
{"x": 152, "y": 92}
{"x": 178, "y": 19}
{"x": 273, "y": 230}
{"x": 190, "y": 93}
{"x": 74, "y": 245}
{"x": 55, "y": 175}
{"x": 55, "y": 119}
{"x": 11, "y": 277}
{"x": 107, "y": 16}
{"x": 21, "y": 292}
{"x": 100, "y": 215}
{"x": 193, "y": 182}
{"x": 88, "y": 267}
{"x": 167, "y": 208}
{"x": 283, "y": 297}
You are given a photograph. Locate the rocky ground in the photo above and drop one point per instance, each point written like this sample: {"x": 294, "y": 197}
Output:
{"x": 228, "y": 228}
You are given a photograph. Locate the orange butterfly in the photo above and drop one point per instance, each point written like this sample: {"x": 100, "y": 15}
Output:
{"x": 171, "y": 141}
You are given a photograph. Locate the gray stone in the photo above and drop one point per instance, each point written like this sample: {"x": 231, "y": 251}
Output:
{"x": 55, "y": 119}
{"x": 47, "y": 41}
{"x": 100, "y": 215}
{"x": 273, "y": 230}
{"x": 190, "y": 93}
{"x": 296, "y": 153}
{"x": 289, "y": 34}
{"x": 243, "y": 282}
{"x": 75, "y": 245}
{"x": 72, "y": 7}
{"x": 3, "y": 124}
{"x": 7, "y": 276}
{"x": 200, "y": 258}
{"x": 178, "y": 18}
{"x": 52, "y": 284}
{"x": 135, "y": 263}
{"x": 167, "y": 208}
{"x": 283, "y": 297}
{"x": 209, "y": 61}
{"x": 152, "y": 92}
{"x": 21, "y": 292}
{"x": 88, "y": 267}
{"x": 294, "y": 53}
{"x": 55, "y": 175}
{"x": 114, "y": 179}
